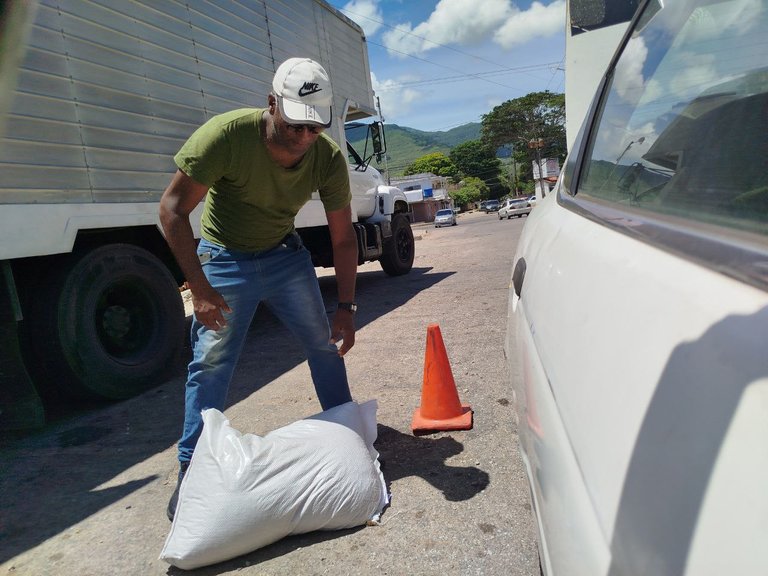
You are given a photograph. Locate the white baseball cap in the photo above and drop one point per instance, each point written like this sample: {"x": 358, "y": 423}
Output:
{"x": 303, "y": 92}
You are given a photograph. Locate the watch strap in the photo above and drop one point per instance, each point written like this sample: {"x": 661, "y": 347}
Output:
{"x": 351, "y": 306}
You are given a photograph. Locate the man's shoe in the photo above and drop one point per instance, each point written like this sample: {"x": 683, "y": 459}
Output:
{"x": 171, "y": 511}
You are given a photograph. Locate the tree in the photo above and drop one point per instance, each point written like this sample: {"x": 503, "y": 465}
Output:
{"x": 476, "y": 158}
{"x": 517, "y": 122}
{"x": 470, "y": 190}
{"x": 437, "y": 163}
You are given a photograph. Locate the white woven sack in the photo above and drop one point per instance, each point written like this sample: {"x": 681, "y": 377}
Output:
{"x": 243, "y": 491}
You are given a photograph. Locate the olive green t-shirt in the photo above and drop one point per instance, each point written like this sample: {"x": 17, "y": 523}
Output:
{"x": 252, "y": 201}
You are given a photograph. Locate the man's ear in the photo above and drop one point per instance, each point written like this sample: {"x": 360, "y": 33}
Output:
{"x": 271, "y": 102}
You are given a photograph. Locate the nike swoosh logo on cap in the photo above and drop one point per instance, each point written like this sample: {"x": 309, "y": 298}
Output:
{"x": 309, "y": 88}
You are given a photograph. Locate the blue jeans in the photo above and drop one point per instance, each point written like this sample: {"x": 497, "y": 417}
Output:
{"x": 285, "y": 280}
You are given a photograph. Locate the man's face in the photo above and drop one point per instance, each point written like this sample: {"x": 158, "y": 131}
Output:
{"x": 296, "y": 138}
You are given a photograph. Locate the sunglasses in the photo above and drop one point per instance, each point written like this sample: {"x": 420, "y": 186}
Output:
{"x": 299, "y": 128}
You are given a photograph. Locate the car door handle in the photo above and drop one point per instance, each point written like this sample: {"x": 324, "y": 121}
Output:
{"x": 518, "y": 276}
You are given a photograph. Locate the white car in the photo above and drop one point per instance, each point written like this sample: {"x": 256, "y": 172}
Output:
{"x": 514, "y": 207}
{"x": 638, "y": 316}
{"x": 445, "y": 217}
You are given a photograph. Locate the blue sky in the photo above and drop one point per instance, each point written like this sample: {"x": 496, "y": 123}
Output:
{"x": 440, "y": 64}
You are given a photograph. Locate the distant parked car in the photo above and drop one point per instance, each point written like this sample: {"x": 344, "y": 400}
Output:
{"x": 445, "y": 217}
{"x": 490, "y": 206}
{"x": 515, "y": 207}
{"x": 532, "y": 200}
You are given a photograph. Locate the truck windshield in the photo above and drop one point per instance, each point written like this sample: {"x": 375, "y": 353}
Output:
{"x": 364, "y": 141}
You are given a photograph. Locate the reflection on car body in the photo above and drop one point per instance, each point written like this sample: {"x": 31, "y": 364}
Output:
{"x": 638, "y": 319}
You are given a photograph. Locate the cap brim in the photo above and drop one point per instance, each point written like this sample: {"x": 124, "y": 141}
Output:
{"x": 299, "y": 113}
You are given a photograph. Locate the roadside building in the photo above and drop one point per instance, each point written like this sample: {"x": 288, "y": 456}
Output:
{"x": 426, "y": 194}
{"x": 550, "y": 171}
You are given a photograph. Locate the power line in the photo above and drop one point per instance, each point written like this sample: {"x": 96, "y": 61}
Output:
{"x": 438, "y": 80}
{"x": 440, "y": 65}
{"x": 449, "y": 79}
{"x": 420, "y": 38}
{"x": 560, "y": 66}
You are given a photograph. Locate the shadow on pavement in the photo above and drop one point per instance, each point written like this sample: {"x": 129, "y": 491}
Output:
{"x": 54, "y": 478}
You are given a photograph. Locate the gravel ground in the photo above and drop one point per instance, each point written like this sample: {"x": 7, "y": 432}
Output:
{"x": 87, "y": 494}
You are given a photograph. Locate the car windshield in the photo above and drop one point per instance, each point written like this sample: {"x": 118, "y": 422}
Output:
{"x": 446, "y": 212}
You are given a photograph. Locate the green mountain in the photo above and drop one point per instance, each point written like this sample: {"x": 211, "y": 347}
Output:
{"x": 404, "y": 145}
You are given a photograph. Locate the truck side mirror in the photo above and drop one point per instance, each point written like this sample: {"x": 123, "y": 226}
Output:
{"x": 377, "y": 139}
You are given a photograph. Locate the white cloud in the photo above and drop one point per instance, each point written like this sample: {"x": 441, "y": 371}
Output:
{"x": 629, "y": 71}
{"x": 395, "y": 99}
{"x": 538, "y": 21}
{"x": 366, "y": 13}
{"x": 452, "y": 22}
{"x": 401, "y": 41}
{"x": 697, "y": 73}
{"x": 465, "y": 22}
{"x": 742, "y": 17}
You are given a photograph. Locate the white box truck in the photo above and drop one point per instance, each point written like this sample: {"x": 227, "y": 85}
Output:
{"x": 96, "y": 96}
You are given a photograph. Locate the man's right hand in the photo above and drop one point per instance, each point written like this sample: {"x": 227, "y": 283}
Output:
{"x": 209, "y": 307}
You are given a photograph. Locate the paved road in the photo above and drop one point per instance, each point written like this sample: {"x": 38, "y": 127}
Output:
{"x": 87, "y": 495}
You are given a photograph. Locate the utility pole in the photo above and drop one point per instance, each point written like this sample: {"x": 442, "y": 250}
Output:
{"x": 537, "y": 144}
{"x": 514, "y": 168}
{"x": 381, "y": 117}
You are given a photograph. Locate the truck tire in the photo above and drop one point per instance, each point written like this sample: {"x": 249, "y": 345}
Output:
{"x": 112, "y": 325}
{"x": 399, "y": 250}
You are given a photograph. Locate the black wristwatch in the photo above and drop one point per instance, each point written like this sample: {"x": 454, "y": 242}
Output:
{"x": 351, "y": 306}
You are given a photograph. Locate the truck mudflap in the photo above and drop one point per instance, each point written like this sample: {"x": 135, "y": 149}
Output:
{"x": 20, "y": 405}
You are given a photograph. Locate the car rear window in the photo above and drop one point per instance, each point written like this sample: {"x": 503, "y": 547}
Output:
{"x": 675, "y": 155}
{"x": 682, "y": 131}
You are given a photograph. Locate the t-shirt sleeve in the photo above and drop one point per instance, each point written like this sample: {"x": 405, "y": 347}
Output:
{"x": 335, "y": 192}
{"x": 206, "y": 155}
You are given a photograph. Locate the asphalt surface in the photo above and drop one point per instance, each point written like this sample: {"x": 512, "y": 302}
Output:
{"x": 87, "y": 494}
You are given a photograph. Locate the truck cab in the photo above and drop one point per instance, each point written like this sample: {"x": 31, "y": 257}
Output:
{"x": 379, "y": 211}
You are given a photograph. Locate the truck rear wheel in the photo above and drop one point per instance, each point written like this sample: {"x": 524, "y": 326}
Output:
{"x": 399, "y": 250}
{"x": 112, "y": 324}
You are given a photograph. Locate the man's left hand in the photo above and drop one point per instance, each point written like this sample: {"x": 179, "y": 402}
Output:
{"x": 343, "y": 328}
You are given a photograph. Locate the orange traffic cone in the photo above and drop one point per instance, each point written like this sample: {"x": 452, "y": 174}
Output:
{"x": 440, "y": 406}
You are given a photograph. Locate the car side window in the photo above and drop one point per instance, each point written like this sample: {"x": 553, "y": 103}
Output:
{"x": 683, "y": 130}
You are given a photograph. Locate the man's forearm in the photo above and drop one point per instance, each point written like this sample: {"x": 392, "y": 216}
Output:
{"x": 177, "y": 203}
{"x": 179, "y": 235}
{"x": 345, "y": 264}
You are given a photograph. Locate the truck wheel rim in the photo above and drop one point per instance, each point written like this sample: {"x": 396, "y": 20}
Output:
{"x": 121, "y": 319}
{"x": 403, "y": 245}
